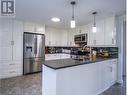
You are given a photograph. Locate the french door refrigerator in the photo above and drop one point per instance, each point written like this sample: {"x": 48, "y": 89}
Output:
{"x": 33, "y": 52}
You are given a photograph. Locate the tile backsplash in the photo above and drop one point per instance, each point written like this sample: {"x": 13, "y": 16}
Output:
{"x": 112, "y": 51}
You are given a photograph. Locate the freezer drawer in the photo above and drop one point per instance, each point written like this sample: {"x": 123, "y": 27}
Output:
{"x": 33, "y": 65}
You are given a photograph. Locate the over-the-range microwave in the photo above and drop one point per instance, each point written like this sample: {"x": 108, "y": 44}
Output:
{"x": 81, "y": 38}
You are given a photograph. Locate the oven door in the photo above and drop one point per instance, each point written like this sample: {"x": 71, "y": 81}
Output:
{"x": 77, "y": 38}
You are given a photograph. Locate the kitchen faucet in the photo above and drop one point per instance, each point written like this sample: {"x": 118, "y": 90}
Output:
{"x": 86, "y": 46}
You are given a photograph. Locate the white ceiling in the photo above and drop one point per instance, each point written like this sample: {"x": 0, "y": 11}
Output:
{"x": 42, "y": 11}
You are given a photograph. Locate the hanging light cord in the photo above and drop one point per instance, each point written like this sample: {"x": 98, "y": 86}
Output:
{"x": 72, "y": 11}
{"x": 73, "y": 3}
{"x": 94, "y": 14}
{"x": 94, "y": 21}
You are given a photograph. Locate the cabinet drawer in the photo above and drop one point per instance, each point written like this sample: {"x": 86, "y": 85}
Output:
{"x": 11, "y": 65}
{"x": 11, "y": 73}
{"x": 10, "y": 68}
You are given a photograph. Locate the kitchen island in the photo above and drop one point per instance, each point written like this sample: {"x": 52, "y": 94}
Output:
{"x": 72, "y": 77}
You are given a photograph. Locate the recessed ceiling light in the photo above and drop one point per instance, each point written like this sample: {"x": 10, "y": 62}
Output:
{"x": 55, "y": 19}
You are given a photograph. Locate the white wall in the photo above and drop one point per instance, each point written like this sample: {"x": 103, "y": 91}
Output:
{"x": 126, "y": 50}
{"x": 120, "y": 44}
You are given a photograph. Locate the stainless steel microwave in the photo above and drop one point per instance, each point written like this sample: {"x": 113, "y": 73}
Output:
{"x": 82, "y": 38}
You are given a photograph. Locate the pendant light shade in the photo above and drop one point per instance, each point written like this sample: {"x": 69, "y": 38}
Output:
{"x": 72, "y": 22}
{"x": 94, "y": 28}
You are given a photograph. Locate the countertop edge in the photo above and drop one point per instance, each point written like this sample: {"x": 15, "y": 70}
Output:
{"x": 57, "y": 68}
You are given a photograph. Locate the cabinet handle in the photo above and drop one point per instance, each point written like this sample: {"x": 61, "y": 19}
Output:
{"x": 12, "y": 72}
{"x": 94, "y": 41}
{"x": 12, "y": 43}
{"x": 112, "y": 41}
{"x": 110, "y": 69}
{"x": 11, "y": 64}
{"x": 70, "y": 43}
{"x": 67, "y": 43}
{"x": 49, "y": 42}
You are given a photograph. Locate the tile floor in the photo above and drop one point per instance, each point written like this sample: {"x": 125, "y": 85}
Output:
{"x": 25, "y": 85}
{"x": 31, "y": 85}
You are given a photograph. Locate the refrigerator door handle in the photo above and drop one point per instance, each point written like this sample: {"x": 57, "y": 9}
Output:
{"x": 35, "y": 45}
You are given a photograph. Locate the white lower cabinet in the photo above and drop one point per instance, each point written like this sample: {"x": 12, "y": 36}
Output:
{"x": 10, "y": 69}
{"x": 113, "y": 71}
{"x": 86, "y": 79}
{"x": 108, "y": 73}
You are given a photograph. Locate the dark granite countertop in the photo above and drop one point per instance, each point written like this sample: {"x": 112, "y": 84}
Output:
{"x": 65, "y": 63}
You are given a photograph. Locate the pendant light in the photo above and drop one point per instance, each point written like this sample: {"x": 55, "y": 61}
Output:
{"x": 72, "y": 22}
{"x": 94, "y": 28}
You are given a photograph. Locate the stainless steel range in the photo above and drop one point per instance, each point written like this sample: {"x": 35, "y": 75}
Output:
{"x": 34, "y": 52}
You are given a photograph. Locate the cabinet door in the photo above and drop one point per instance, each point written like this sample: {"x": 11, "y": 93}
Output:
{"x": 113, "y": 71}
{"x": 11, "y": 69}
{"x": 64, "y": 38}
{"x": 71, "y": 34}
{"x": 91, "y": 35}
{"x": 53, "y": 39}
{"x": 106, "y": 74}
{"x": 47, "y": 38}
{"x": 5, "y": 39}
{"x": 29, "y": 27}
{"x": 81, "y": 30}
{"x": 40, "y": 29}
{"x": 99, "y": 35}
{"x": 18, "y": 40}
{"x": 110, "y": 31}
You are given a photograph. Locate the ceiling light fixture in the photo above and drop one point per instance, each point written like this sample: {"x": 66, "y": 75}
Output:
{"x": 55, "y": 19}
{"x": 94, "y": 28}
{"x": 72, "y": 22}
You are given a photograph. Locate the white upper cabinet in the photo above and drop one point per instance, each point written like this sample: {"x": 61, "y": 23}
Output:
{"x": 91, "y": 35}
{"x": 81, "y": 30}
{"x": 58, "y": 37}
{"x": 40, "y": 28}
{"x": 28, "y": 27}
{"x": 33, "y": 28}
{"x": 71, "y": 34}
{"x": 47, "y": 37}
{"x": 105, "y": 35}
{"x": 64, "y": 38}
{"x": 53, "y": 37}
{"x": 99, "y": 35}
{"x": 110, "y": 31}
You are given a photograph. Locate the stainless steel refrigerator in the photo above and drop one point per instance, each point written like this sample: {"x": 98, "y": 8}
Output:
{"x": 33, "y": 52}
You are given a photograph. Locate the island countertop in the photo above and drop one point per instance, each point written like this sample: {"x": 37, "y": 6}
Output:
{"x": 65, "y": 63}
